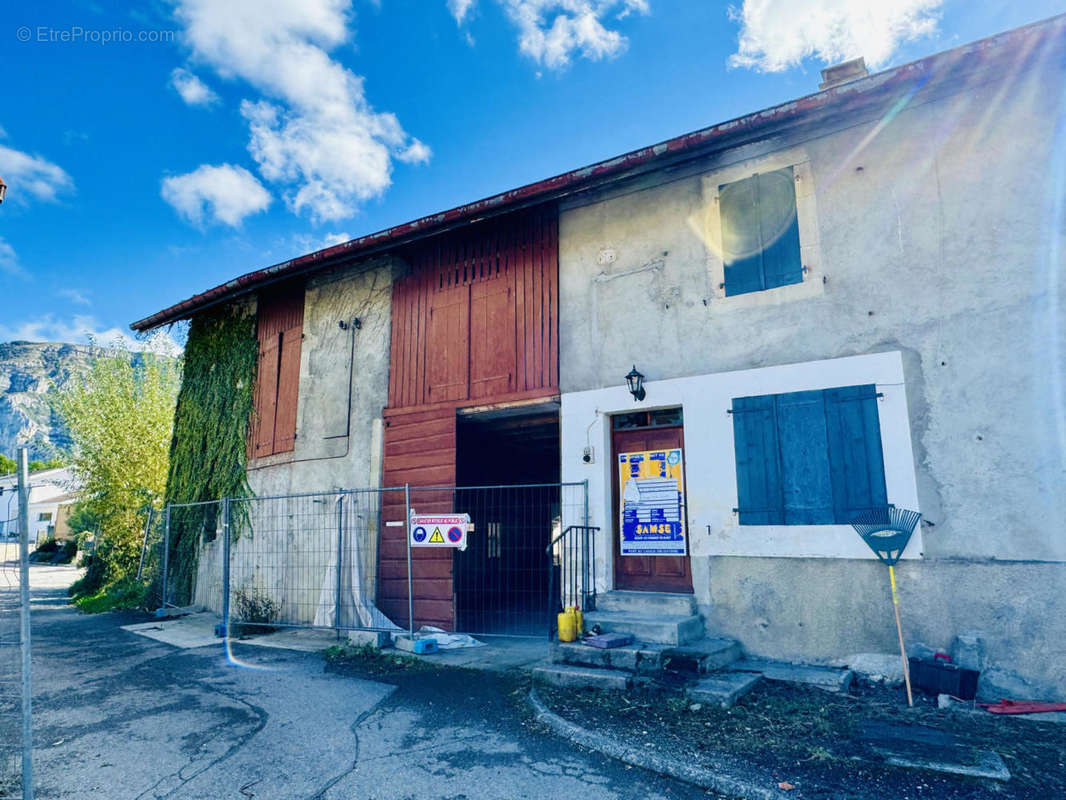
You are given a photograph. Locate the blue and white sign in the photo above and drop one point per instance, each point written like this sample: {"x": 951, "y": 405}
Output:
{"x": 652, "y": 490}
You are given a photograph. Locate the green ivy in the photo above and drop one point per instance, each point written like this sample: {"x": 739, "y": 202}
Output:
{"x": 208, "y": 453}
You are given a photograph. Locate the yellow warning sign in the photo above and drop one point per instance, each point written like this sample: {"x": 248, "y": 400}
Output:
{"x": 436, "y": 537}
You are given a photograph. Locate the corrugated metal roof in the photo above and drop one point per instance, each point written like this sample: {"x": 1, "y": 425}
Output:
{"x": 846, "y": 98}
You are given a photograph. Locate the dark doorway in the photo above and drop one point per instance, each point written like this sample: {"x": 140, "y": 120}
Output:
{"x": 507, "y": 479}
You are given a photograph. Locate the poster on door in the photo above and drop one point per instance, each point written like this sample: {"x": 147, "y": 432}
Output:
{"x": 651, "y": 487}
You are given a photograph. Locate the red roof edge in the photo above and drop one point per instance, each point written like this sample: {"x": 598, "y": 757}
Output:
{"x": 647, "y": 158}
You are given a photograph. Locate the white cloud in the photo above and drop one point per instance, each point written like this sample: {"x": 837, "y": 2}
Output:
{"x": 85, "y": 329}
{"x": 192, "y": 90}
{"x": 778, "y": 34}
{"x": 225, "y": 194}
{"x": 551, "y": 32}
{"x": 32, "y": 176}
{"x": 76, "y": 296}
{"x": 308, "y": 243}
{"x": 460, "y": 9}
{"x": 314, "y": 131}
{"x": 9, "y": 260}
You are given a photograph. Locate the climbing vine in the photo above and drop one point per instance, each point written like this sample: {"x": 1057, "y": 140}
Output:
{"x": 208, "y": 452}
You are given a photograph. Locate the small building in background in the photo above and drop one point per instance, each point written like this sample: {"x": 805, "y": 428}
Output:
{"x": 53, "y": 493}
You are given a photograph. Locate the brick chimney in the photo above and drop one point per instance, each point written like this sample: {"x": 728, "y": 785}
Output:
{"x": 845, "y": 72}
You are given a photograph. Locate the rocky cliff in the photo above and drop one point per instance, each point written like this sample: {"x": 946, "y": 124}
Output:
{"x": 30, "y": 373}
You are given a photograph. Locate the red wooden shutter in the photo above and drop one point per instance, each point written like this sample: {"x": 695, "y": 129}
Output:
{"x": 266, "y": 395}
{"x": 492, "y": 337}
{"x": 448, "y": 345}
{"x": 288, "y": 390}
{"x": 281, "y": 312}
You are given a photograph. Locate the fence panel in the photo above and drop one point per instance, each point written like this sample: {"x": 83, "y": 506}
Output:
{"x": 306, "y": 560}
{"x": 499, "y": 584}
{"x": 188, "y": 557}
{"x": 317, "y": 560}
{"x": 10, "y": 672}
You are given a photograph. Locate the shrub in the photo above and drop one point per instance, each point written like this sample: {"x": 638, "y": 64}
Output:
{"x": 123, "y": 595}
{"x": 252, "y": 604}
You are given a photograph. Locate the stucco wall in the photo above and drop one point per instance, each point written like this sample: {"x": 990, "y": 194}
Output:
{"x": 934, "y": 230}
{"x": 290, "y": 553}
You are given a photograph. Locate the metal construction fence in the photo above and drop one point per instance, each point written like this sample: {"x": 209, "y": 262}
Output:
{"x": 10, "y": 673}
{"x": 343, "y": 559}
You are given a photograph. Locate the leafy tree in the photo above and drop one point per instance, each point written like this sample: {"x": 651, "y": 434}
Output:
{"x": 120, "y": 420}
{"x": 7, "y": 465}
{"x": 83, "y": 518}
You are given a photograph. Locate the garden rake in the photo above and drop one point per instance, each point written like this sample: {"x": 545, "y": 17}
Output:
{"x": 887, "y": 531}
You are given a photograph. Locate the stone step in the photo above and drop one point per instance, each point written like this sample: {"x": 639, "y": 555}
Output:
{"x": 572, "y": 676}
{"x": 647, "y": 603}
{"x": 830, "y": 679}
{"x": 642, "y": 658}
{"x": 722, "y": 688}
{"x": 675, "y": 629}
{"x": 706, "y": 655}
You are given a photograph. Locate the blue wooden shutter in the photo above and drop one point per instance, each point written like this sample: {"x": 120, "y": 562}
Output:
{"x": 805, "y": 473}
{"x": 759, "y": 500}
{"x": 779, "y": 229}
{"x": 738, "y": 207}
{"x": 856, "y": 462}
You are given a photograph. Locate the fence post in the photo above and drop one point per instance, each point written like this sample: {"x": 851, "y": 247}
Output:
{"x": 407, "y": 537}
{"x": 144, "y": 544}
{"x": 166, "y": 554}
{"x": 340, "y": 560}
{"x": 586, "y": 567}
{"x": 225, "y": 568}
{"x": 24, "y": 620}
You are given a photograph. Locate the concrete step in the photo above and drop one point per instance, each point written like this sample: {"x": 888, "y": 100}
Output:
{"x": 722, "y": 688}
{"x": 643, "y": 659}
{"x": 647, "y": 603}
{"x": 699, "y": 658}
{"x": 830, "y": 679}
{"x": 572, "y": 676}
{"x": 675, "y": 629}
{"x": 706, "y": 655}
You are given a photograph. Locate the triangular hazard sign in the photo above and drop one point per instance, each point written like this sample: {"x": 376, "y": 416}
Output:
{"x": 436, "y": 537}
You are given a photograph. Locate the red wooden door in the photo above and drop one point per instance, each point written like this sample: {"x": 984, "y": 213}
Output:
{"x": 647, "y": 573}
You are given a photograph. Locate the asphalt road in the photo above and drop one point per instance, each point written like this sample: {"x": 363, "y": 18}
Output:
{"x": 123, "y": 717}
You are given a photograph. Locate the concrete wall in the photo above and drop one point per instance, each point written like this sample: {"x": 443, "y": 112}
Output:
{"x": 932, "y": 230}
{"x": 290, "y": 551}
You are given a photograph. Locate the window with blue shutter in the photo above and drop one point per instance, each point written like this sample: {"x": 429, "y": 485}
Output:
{"x": 808, "y": 458}
{"x": 760, "y": 232}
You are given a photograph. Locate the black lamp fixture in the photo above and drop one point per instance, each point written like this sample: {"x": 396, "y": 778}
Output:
{"x": 3, "y": 190}
{"x": 636, "y": 384}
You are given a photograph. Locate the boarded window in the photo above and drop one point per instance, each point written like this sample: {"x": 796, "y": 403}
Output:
{"x": 760, "y": 232}
{"x": 280, "y": 327}
{"x": 808, "y": 458}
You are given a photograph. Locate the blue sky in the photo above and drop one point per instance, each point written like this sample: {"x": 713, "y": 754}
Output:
{"x": 153, "y": 153}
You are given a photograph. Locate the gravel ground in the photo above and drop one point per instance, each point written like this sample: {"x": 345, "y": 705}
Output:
{"x": 814, "y": 740}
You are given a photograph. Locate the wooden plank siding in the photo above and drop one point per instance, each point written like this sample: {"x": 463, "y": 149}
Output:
{"x": 475, "y": 322}
{"x": 419, "y": 450}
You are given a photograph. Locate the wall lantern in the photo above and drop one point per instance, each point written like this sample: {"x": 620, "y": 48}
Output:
{"x": 636, "y": 384}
